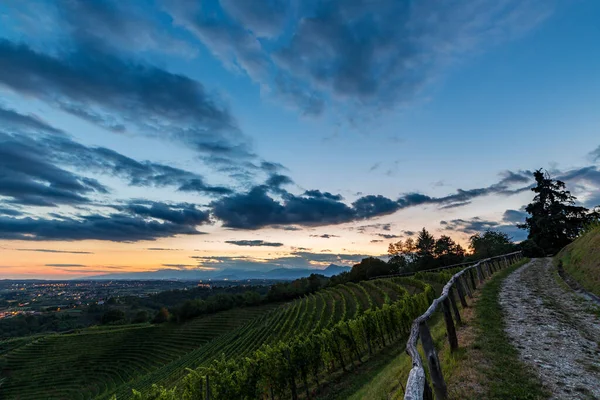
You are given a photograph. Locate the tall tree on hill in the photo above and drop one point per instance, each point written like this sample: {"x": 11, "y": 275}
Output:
{"x": 447, "y": 251}
{"x": 490, "y": 244}
{"x": 554, "y": 219}
{"x": 425, "y": 249}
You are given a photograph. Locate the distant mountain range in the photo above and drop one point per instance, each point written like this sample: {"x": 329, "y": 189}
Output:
{"x": 226, "y": 274}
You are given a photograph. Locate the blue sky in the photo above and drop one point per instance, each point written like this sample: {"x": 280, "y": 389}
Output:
{"x": 324, "y": 127}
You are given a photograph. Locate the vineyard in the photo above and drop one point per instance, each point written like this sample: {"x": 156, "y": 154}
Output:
{"x": 276, "y": 350}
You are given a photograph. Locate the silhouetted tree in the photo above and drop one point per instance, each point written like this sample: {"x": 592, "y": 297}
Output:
{"x": 425, "y": 247}
{"x": 554, "y": 219}
{"x": 490, "y": 244}
{"x": 369, "y": 268}
{"x": 161, "y": 316}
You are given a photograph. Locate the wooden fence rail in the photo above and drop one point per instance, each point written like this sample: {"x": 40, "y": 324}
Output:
{"x": 462, "y": 283}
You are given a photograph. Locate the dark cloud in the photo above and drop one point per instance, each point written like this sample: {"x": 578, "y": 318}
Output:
{"x": 388, "y": 236}
{"x": 118, "y": 24}
{"x": 256, "y": 208}
{"x": 263, "y": 18}
{"x": 514, "y": 216}
{"x": 317, "y": 194}
{"x": 325, "y": 236}
{"x": 179, "y": 214}
{"x": 384, "y": 227}
{"x": 12, "y": 120}
{"x": 376, "y": 240}
{"x": 253, "y": 243}
{"x": 37, "y": 156}
{"x": 296, "y": 259}
{"x": 11, "y": 212}
{"x": 370, "y": 206}
{"x": 115, "y": 227}
{"x": 123, "y": 92}
{"x": 275, "y": 181}
{"x": 179, "y": 266}
{"x": 28, "y": 178}
{"x": 595, "y": 154}
{"x": 56, "y": 251}
{"x": 371, "y": 55}
{"x": 476, "y": 225}
{"x": 65, "y": 265}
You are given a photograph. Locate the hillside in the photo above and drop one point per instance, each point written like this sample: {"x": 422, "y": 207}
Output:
{"x": 581, "y": 260}
{"x": 99, "y": 362}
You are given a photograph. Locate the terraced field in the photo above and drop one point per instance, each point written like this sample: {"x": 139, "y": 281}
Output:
{"x": 97, "y": 363}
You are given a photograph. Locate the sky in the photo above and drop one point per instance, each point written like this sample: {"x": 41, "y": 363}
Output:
{"x": 254, "y": 134}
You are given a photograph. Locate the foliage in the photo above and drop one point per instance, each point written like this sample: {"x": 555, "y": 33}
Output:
{"x": 161, "y": 316}
{"x": 530, "y": 249}
{"x": 113, "y": 315}
{"x": 490, "y": 244}
{"x": 555, "y": 220}
{"x": 426, "y": 252}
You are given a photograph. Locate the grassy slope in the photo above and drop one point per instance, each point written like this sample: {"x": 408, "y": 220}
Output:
{"x": 581, "y": 260}
{"x": 485, "y": 366}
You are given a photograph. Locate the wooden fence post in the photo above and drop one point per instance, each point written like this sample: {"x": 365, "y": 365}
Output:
{"x": 427, "y": 394}
{"x": 472, "y": 276}
{"x": 450, "y": 329}
{"x": 480, "y": 274}
{"x": 435, "y": 370}
{"x": 453, "y": 304}
{"x": 465, "y": 282}
{"x": 207, "y": 387}
{"x": 461, "y": 292}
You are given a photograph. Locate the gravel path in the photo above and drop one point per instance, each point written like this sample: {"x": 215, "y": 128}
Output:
{"x": 554, "y": 330}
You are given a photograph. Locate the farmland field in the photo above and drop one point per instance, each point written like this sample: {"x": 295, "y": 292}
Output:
{"x": 102, "y": 361}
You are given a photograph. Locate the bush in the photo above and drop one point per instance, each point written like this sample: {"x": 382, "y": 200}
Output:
{"x": 161, "y": 316}
{"x": 112, "y": 316}
{"x": 141, "y": 317}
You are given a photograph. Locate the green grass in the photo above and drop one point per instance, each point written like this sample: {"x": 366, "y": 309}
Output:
{"x": 581, "y": 260}
{"x": 507, "y": 377}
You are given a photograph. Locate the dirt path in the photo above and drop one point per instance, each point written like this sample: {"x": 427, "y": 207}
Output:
{"x": 554, "y": 331}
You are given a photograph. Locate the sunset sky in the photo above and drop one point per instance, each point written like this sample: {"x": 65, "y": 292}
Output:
{"x": 152, "y": 134}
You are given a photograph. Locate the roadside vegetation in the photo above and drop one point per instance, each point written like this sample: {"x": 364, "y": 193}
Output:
{"x": 581, "y": 260}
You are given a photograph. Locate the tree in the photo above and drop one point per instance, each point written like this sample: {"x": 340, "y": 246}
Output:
{"x": 112, "y": 316}
{"x": 425, "y": 244}
{"x": 161, "y": 316}
{"x": 554, "y": 219}
{"x": 447, "y": 251}
{"x": 490, "y": 244}
{"x": 140, "y": 317}
{"x": 368, "y": 268}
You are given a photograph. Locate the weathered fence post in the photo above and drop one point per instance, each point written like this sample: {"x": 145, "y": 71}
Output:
{"x": 207, "y": 387}
{"x": 435, "y": 371}
{"x": 465, "y": 282}
{"x": 479, "y": 273}
{"x": 472, "y": 276}
{"x": 461, "y": 292}
{"x": 453, "y": 304}
{"x": 450, "y": 329}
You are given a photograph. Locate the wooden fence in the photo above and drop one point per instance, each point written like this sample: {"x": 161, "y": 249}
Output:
{"x": 463, "y": 283}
